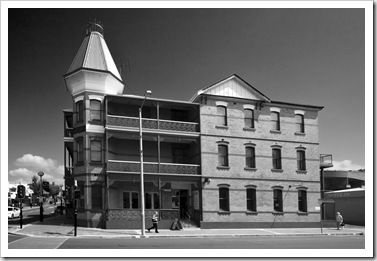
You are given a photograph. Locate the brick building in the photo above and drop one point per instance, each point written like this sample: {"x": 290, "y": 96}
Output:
{"x": 230, "y": 157}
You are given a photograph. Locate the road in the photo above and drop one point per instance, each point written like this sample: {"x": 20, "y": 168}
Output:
{"x": 31, "y": 214}
{"x": 260, "y": 242}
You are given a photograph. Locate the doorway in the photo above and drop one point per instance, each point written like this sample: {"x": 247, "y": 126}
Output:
{"x": 184, "y": 204}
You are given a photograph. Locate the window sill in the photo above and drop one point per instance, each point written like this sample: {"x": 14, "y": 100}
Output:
{"x": 301, "y": 171}
{"x": 277, "y": 170}
{"x": 275, "y": 131}
{"x": 248, "y": 129}
{"x": 251, "y": 213}
{"x": 277, "y": 213}
{"x": 250, "y": 169}
{"x": 300, "y": 213}
{"x": 300, "y": 133}
{"x": 222, "y": 168}
{"x": 223, "y": 212}
{"x": 223, "y": 127}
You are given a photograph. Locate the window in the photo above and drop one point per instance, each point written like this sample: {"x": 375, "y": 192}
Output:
{"x": 250, "y": 157}
{"x": 300, "y": 127}
{"x": 301, "y": 164}
{"x": 80, "y": 111}
{"x": 302, "y": 201}
{"x": 251, "y": 199}
{"x": 249, "y": 118}
{"x": 224, "y": 199}
{"x": 278, "y": 200}
{"x": 152, "y": 201}
{"x": 276, "y": 158}
{"x": 95, "y": 151}
{"x": 221, "y": 116}
{"x": 131, "y": 200}
{"x": 223, "y": 155}
{"x": 95, "y": 110}
{"x": 96, "y": 197}
{"x": 80, "y": 150}
{"x": 275, "y": 119}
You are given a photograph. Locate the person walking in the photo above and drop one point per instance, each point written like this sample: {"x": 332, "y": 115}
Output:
{"x": 339, "y": 221}
{"x": 155, "y": 222}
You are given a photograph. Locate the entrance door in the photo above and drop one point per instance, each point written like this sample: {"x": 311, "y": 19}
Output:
{"x": 184, "y": 204}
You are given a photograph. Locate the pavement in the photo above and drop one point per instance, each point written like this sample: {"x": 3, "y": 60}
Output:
{"x": 59, "y": 226}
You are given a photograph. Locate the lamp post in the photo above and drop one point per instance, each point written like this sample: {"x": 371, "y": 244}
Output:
{"x": 40, "y": 174}
{"x": 147, "y": 93}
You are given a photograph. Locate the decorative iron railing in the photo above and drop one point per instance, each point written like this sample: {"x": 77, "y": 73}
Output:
{"x": 133, "y": 122}
{"x": 151, "y": 167}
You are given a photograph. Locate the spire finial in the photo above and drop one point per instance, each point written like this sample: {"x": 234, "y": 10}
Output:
{"x": 94, "y": 27}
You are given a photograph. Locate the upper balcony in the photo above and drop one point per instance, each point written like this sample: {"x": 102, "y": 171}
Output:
{"x": 161, "y": 115}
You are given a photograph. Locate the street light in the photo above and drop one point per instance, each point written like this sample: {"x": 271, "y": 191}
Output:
{"x": 147, "y": 93}
{"x": 40, "y": 174}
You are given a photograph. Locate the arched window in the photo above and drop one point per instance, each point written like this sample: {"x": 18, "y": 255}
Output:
{"x": 275, "y": 120}
{"x": 251, "y": 199}
{"x": 224, "y": 198}
{"x": 250, "y": 157}
{"x": 223, "y": 156}
{"x": 249, "y": 118}
{"x": 300, "y": 126}
{"x": 276, "y": 158}
{"x": 221, "y": 116}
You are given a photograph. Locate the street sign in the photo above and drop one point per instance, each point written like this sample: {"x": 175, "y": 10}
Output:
{"x": 46, "y": 186}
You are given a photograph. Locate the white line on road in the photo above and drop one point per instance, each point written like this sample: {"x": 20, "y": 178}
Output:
{"x": 269, "y": 231}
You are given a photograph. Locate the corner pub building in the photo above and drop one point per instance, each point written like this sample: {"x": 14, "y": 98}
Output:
{"x": 228, "y": 158}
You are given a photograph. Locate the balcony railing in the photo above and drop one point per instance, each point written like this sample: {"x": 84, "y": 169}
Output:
{"x": 120, "y": 121}
{"x": 152, "y": 167}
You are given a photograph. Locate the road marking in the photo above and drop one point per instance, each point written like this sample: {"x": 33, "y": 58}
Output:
{"x": 269, "y": 231}
{"x": 61, "y": 243}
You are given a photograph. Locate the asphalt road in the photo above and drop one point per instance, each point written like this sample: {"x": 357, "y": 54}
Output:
{"x": 260, "y": 242}
{"x": 31, "y": 214}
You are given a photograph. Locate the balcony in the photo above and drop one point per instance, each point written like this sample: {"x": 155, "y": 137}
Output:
{"x": 153, "y": 167}
{"x": 133, "y": 122}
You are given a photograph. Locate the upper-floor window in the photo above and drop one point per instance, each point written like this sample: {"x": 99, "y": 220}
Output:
{"x": 80, "y": 111}
{"x": 302, "y": 201}
{"x": 301, "y": 161}
{"x": 275, "y": 120}
{"x": 80, "y": 150}
{"x": 300, "y": 126}
{"x": 222, "y": 116}
{"x": 95, "y": 150}
{"x": 224, "y": 198}
{"x": 276, "y": 158}
{"x": 278, "y": 200}
{"x": 250, "y": 157}
{"x": 251, "y": 199}
{"x": 249, "y": 118}
{"x": 223, "y": 156}
{"x": 95, "y": 110}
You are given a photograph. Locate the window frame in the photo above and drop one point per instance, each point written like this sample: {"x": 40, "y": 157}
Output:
{"x": 275, "y": 122}
{"x": 222, "y": 116}
{"x": 249, "y": 119}
{"x": 302, "y": 200}
{"x": 278, "y": 199}
{"x": 250, "y": 161}
{"x": 80, "y": 155}
{"x": 92, "y": 140}
{"x": 223, "y": 159}
{"x": 80, "y": 111}
{"x": 251, "y": 199}
{"x": 95, "y": 196}
{"x": 224, "y": 199}
{"x": 98, "y": 110}
{"x": 301, "y": 160}
{"x": 300, "y": 123}
{"x": 130, "y": 199}
{"x": 153, "y": 196}
{"x": 276, "y": 158}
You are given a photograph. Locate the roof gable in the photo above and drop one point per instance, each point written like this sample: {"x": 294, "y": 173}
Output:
{"x": 233, "y": 86}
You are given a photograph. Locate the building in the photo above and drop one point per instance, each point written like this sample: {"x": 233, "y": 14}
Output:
{"x": 230, "y": 157}
{"x": 341, "y": 179}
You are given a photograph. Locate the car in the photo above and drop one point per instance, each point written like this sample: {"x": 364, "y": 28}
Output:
{"x": 13, "y": 212}
{"x": 59, "y": 209}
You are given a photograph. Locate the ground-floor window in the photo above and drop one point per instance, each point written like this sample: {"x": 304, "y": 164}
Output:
{"x": 152, "y": 200}
{"x": 131, "y": 200}
{"x": 96, "y": 197}
{"x": 224, "y": 199}
{"x": 302, "y": 201}
{"x": 278, "y": 200}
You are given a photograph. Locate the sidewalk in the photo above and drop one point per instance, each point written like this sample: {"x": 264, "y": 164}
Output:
{"x": 58, "y": 226}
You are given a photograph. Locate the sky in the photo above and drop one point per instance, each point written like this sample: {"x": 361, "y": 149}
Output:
{"x": 312, "y": 56}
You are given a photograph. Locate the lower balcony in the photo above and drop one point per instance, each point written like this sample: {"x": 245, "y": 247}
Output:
{"x": 153, "y": 167}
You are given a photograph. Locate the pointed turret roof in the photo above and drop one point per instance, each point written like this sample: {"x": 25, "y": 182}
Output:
{"x": 94, "y": 53}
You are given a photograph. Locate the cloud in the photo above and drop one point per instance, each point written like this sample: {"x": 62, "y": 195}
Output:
{"x": 346, "y": 165}
{"x": 29, "y": 165}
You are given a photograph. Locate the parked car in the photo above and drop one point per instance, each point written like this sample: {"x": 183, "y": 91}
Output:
{"x": 13, "y": 212}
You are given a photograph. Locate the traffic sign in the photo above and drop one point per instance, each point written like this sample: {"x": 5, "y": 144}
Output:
{"x": 46, "y": 186}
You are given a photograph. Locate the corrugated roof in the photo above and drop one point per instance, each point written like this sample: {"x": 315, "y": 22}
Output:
{"x": 94, "y": 54}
